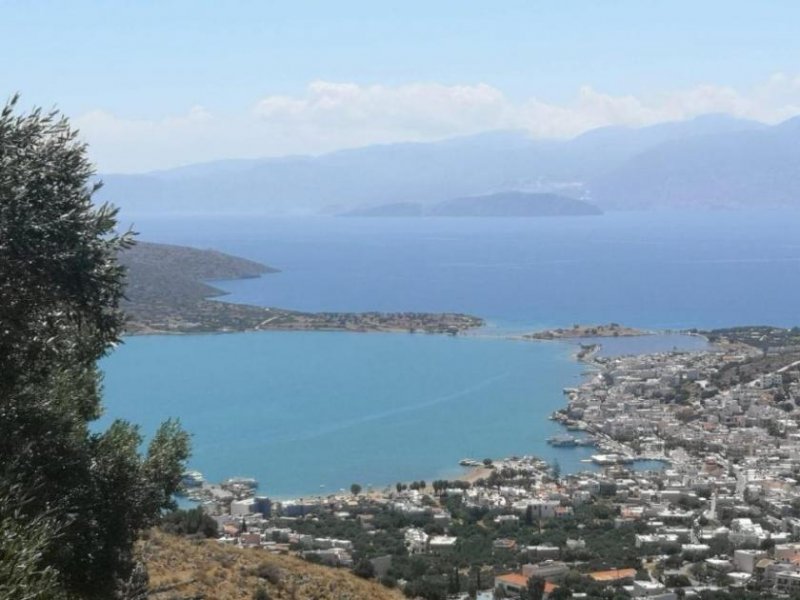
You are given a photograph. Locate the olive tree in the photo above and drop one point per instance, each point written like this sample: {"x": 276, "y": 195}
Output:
{"x": 60, "y": 289}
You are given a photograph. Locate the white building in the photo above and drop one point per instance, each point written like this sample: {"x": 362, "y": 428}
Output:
{"x": 442, "y": 543}
{"x": 242, "y": 508}
{"x": 745, "y": 533}
{"x": 787, "y": 582}
{"x": 745, "y": 560}
{"x": 651, "y": 589}
{"x": 416, "y": 540}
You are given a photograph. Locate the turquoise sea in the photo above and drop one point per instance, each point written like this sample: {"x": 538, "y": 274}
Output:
{"x": 310, "y": 413}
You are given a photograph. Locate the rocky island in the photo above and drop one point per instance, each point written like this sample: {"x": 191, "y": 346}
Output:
{"x": 586, "y": 331}
{"x": 503, "y": 204}
{"x": 168, "y": 292}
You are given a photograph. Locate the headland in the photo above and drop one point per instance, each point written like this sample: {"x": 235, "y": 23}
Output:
{"x": 169, "y": 292}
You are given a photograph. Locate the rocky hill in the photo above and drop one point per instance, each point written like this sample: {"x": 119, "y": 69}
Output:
{"x": 183, "y": 569}
{"x": 167, "y": 273}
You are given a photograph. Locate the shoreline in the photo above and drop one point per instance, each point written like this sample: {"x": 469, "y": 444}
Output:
{"x": 154, "y": 332}
{"x": 579, "y": 332}
{"x": 222, "y": 318}
{"x": 475, "y": 473}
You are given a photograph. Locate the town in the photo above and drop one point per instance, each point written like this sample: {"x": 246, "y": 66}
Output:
{"x": 719, "y": 519}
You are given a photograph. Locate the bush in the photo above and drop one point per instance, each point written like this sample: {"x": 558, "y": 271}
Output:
{"x": 189, "y": 522}
{"x": 677, "y": 581}
{"x": 261, "y": 594}
{"x": 364, "y": 569}
{"x": 270, "y": 572}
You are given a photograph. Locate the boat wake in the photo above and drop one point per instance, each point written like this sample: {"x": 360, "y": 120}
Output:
{"x": 385, "y": 414}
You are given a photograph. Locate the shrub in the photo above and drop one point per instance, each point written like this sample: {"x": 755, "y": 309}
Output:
{"x": 270, "y": 572}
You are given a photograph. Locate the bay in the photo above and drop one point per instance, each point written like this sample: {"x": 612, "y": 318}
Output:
{"x": 313, "y": 412}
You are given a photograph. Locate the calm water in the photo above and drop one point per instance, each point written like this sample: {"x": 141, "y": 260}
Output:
{"x": 659, "y": 270}
{"x": 304, "y": 410}
{"x": 314, "y": 412}
{"x": 647, "y": 344}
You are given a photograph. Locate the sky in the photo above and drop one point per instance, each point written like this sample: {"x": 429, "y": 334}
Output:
{"x": 157, "y": 84}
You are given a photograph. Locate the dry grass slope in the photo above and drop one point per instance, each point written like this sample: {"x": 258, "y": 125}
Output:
{"x": 187, "y": 569}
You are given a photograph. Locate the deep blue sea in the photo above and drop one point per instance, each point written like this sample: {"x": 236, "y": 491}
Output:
{"x": 311, "y": 413}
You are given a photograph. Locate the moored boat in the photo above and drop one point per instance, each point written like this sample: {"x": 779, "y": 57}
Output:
{"x": 192, "y": 479}
{"x": 562, "y": 441}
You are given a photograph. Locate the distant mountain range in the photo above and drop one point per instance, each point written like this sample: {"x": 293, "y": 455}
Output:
{"x": 752, "y": 167}
{"x": 709, "y": 161}
{"x": 503, "y": 204}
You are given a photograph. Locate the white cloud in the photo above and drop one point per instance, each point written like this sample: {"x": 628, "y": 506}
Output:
{"x": 368, "y": 114}
{"x": 331, "y": 115}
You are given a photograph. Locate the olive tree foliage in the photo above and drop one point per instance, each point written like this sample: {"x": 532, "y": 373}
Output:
{"x": 60, "y": 288}
{"x": 22, "y": 572}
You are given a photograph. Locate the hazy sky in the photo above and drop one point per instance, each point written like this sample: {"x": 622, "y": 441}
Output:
{"x": 157, "y": 84}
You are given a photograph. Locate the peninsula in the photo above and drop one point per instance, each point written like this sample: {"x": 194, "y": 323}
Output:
{"x": 168, "y": 292}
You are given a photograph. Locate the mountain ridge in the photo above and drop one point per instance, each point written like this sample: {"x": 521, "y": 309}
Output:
{"x": 731, "y": 169}
{"x": 603, "y": 165}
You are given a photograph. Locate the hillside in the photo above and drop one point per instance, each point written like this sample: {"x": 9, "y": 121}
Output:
{"x": 180, "y": 569}
{"x": 745, "y": 168}
{"x": 167, "y": 273}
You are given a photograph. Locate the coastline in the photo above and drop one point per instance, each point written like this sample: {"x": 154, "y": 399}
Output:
{"x": 222, "y": 317}
{"x": 472, "y": 474}
{"x": 398, "y": 330}
{"x": 170, "y": 291}
{"x": 589, "y": 356}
